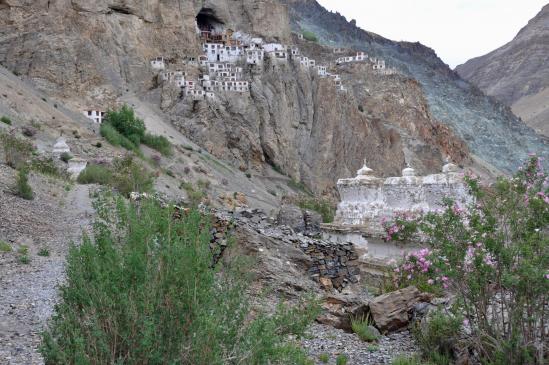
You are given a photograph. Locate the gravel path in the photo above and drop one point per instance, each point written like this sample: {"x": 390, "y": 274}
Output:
{"x": 333, "y": 342}
{"x": 28, "y": 291}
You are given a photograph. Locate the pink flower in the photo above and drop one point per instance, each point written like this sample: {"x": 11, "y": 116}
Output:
{"x": 430, "y": 281}
{"x": 547, "y": 276}
{"x": 465, "y": 322}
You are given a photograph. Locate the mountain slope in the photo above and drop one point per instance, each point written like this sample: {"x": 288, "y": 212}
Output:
{"x": 488, "y": 127}
{"x": 518, "y": 72}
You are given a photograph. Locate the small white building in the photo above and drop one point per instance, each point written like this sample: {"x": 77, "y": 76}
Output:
{"x": 95, "y": 115}
{"x": 294, "y": 51}
{"x": 213, "y": 51}
{"x": 189, "y": 85}
{"x": 210, "y": 95}
{"x": 273, "y": 47}
{"x": 321, "y": 70}
{"x": 312, "y": 63}
{"x": 304, "y": 61}
{"x": 158, "y": 63}
{"x": 361, "y": 56}
{"x": 339, "y": 50}
{"x": 280, "y": 55}
{"x": 195, "y": 94}
{"x": 379, "y": 65}
{"x": 254, "y": 56}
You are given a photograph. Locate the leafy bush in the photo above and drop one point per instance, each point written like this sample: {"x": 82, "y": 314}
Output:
{"x": 5, "y": 247}
{"x": 126, "y": 176}
{"x": 95, "y": 174}
{"x": 143, "y": 291}
{"x": 115, "y": 138}
{"x": 46, "y": 166}
{"x": 5, "y": 120}
{"x": 129, "y": 176}
{"x": 494, "y": 255}
{"x": 437, "y": 335}
{"x": 24, "y": 259}
{"x": 364, "y": 330}
{"x": 23, "y": 188}
{"x": 310, "y": 36}
{"x": 16, "y": 151}
{"x": 44, "y": 252}
{"x": 324, "y": 358}
{"x": 159, "y": 143}
{"x": 65, "y": 157}
{"x": 320, "y": 205}
{"x": 126, "y": 123}
{"x": 341, "y": 359}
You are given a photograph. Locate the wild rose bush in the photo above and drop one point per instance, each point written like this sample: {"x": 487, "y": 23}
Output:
{"x": 403, "y": 228}
{"x": 494, "y": 256}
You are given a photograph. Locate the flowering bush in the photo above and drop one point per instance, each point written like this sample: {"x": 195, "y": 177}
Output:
{"x": 403, "y": 228}
{"x": 494, "y": 255}
{"x": 419, "y": 269}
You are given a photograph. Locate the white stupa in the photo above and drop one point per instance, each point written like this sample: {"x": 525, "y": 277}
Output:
{"x": 60, "y": 147}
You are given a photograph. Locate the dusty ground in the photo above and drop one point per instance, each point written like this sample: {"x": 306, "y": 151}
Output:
{"x": 325, "y": 340}
{"x": 28, "y": 291}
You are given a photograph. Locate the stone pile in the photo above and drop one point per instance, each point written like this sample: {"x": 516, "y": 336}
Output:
{"x": 334, "y": 265}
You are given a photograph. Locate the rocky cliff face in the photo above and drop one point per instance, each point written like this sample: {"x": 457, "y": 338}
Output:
{"x": 95, "y": 54}
{"x": 489, "y": 128}
{"x": 518, "y": 73}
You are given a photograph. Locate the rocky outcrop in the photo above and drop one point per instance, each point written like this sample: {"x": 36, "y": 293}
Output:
{"x": 518, "y": 73}
{"x": 393, "y": 310}
{"x": 488, "y": 128}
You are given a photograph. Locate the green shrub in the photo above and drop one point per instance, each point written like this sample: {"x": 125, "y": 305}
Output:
{"x": 364, "y": 330}
{"x": 310, "y": 36}
{"x": 65, "y": 157}
{"x": 321, "y": 205}
{"x": 24, "y": 259}
{"x": 5, "y": 120}
{"x": 159, "y": 143}
{"x": 46, "y": 166}
{"x": 23, "y": 188}
{"x": 23, "y": 250}
{"x": 130, "y": 176}
{"x": 126, "y": 123}
{"x": 95, "y": 174}
{"x": 16, "y": 151}
{"x": 341, "y": 359}
{"x": 143, "y": 291}
{"x": 324, "y": 358}
{"x": 44, "y": 252}
{"x": 115, "y": 138}
{"x": 195, "y": 196}
{"x": 5, "y": 247}
{"x": 437, "y": 335}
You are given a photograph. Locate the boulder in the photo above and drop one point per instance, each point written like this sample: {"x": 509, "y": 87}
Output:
{"x": 291, "y": 216}
{"x": 392, "y": 311}
{"x": 339, "y": 310}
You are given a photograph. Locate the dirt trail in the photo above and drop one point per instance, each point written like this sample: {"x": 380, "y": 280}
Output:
{"x": 28, "y": 292}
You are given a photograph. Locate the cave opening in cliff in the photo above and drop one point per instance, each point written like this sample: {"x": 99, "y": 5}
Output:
{"x": 207, "y": 22}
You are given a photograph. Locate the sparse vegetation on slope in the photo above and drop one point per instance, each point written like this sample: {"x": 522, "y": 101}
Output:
{"x": 321, "y": 205}
{"x": 144, "y": 291}
{"x": 23, "y": 188}
{"x": 126, "y": 175}
{"x": 122, "y": 128}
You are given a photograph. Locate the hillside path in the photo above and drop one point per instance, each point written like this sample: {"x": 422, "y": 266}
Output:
{"x": 28, "y": 292}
